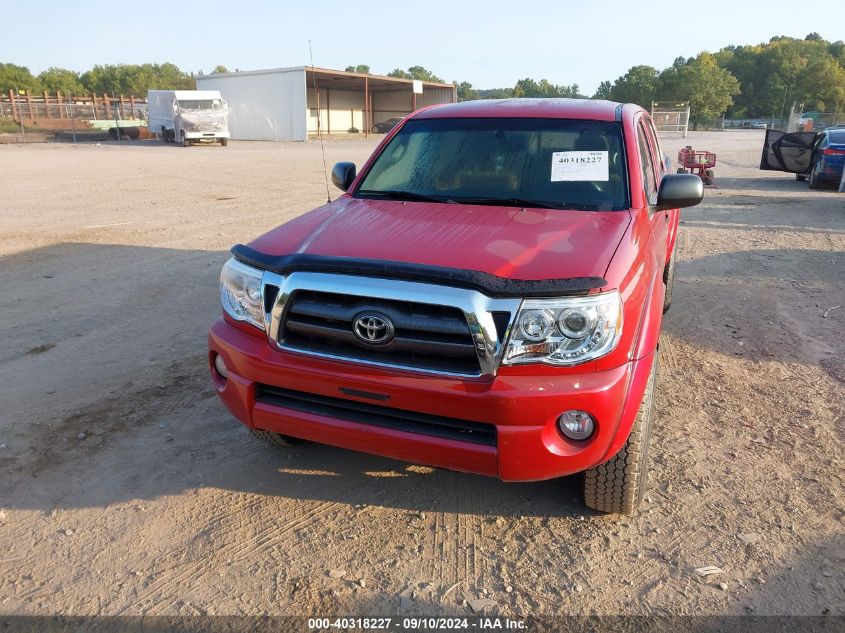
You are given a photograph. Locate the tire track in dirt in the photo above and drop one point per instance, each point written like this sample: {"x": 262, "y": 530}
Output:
{"x": 196, "y": 571}
{"x": 434, "y": 560}
{"x": 477, "y": 536}
{"x": 667, "y": 353}
{"x": 444, "y": 563}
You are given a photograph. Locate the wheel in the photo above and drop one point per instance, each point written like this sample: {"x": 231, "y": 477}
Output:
{"x": 224, "y": 142}
{"x": 813, "y": 178}
{"x": 668, "y": 280}
{"x": 711, "y": 175}
{"x": 618, "y": 486}
{"x": 681, "y": 170}
{"x": 185, "y": 141}
{"x": 800, "y": 177}
{"x": 276, "y": 439}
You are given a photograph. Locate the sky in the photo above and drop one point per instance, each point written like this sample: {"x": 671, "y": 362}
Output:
{"x": 490, "y": 44}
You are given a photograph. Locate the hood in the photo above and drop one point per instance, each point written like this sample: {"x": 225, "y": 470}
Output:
{"x": 505, "y": 241}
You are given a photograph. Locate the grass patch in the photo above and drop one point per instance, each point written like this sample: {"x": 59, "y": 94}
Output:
{"x": 9, "y": 126}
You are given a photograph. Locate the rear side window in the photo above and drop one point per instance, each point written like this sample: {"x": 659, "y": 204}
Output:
{"x": 837, "y": 137}
{"x": 659, "y": 157}
{"x": 649, "y": 182}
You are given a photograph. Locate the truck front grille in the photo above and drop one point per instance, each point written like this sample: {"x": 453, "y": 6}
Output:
{"x": 425, "y": 336}
{"x": 376, "y": 415}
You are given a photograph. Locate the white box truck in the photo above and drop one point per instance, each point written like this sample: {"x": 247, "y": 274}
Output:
{"x": 188, "y": 116}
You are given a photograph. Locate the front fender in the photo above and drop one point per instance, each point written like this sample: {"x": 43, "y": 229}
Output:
{"x": 648, "y": 332}
{"x": 636, "y": 390}
{"x": 644, "y": 290}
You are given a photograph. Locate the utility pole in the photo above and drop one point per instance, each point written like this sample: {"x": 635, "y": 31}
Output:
{"x": 783, "y": 105}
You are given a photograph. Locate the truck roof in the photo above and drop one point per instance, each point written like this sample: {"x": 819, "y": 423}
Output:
{"x": 593, "y": 109}
{"x": 190, "y": 94}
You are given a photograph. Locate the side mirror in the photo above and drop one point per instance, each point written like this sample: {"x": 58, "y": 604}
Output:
{"x": 342, "y": 175}
{"x": 678, "y": 191}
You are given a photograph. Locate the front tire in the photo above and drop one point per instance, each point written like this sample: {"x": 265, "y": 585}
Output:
{"x": 618, "y": 486}
{"x": 224, "y": 142}
{"x": 185, "y": 141}
{"x": 800, "y": 177}
{"x": 276, "y": 439}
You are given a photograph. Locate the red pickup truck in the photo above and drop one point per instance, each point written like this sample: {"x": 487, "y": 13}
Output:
{"x": 486, "y": 296}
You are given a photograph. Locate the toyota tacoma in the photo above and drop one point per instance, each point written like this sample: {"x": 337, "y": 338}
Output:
{"x": 486, "y": 296}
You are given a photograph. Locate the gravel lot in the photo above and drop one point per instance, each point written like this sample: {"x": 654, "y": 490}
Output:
{"x": 126, "y": 488}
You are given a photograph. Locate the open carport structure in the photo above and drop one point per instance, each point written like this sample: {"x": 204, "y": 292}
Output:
{"x": 285, "y": 104}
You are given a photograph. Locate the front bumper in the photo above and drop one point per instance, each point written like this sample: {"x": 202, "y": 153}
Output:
{"x": 206, "y": 134}
{"x": 523, "y": 408}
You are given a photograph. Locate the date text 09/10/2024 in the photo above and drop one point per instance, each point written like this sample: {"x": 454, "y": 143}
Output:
{"x": 416, "y": 623}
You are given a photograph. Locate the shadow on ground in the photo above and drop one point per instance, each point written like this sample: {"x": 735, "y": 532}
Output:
{"x": 107, "y": 383}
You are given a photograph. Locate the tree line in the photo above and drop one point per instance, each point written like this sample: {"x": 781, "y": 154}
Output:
{"x": 760, "y": 81}
{"x": 757, "y": 81}
{"x": 127, "y": 79}
{"x": 524, "y": 87}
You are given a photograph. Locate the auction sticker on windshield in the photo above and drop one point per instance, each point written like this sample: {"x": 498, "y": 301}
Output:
{"x": 571, "y": 166}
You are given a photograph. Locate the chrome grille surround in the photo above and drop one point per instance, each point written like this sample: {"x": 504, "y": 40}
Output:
{"x": 476, "y": 307}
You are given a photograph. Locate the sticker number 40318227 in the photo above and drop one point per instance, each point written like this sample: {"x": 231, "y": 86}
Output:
{"x": 574, "y": 166}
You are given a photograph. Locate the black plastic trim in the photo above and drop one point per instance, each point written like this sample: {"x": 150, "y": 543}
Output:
{"x": 489, "y": 284}
{"x": 355, "y": 393}
{"x": 376, "y": 415}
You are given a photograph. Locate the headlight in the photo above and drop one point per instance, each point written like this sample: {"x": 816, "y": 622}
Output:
{"x": 240, "y": 293}
{"x": 565, "y": 331}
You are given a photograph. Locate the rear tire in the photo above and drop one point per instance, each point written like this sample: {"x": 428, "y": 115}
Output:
{"x": 618, "y": 486}
{"x": 185, "y": 141}
{"x": 800, "y": 177}
{"x": 668, "y": 281}
{"x": 813, "y": 179}
{"x": 681, "y": 170}
{"x": 276, "y": 439}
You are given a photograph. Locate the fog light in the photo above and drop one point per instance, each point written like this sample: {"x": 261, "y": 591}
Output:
{"x": 576, "y": 425}
{"x": 220, "y": 366}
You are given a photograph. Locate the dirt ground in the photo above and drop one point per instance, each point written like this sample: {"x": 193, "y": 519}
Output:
{"x": 126, "y": 488}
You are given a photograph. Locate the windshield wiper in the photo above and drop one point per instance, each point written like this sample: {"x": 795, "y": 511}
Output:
{"x": 397, "y": 194}
{"x": 524, "y": 202}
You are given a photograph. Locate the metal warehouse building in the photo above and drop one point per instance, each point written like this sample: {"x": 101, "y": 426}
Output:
{"x": 281, "y": 104}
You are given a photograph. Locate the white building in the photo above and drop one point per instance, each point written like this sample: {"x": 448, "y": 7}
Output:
{"x": 282, "y": 104}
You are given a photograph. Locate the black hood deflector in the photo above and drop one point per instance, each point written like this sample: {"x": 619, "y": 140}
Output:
{"x": 487, "y": 283}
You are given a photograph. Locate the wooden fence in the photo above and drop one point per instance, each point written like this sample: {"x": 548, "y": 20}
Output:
{"x": 26, "y": 107}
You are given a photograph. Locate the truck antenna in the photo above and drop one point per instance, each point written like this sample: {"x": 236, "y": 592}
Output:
{"x": 319, "y": 128}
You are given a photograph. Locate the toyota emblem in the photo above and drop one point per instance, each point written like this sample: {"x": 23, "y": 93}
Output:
{"x": 373, "y": 328}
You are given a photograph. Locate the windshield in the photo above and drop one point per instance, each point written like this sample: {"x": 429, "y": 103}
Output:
{"x": 552, "y": 163}
{"x": 200, "y": 104}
